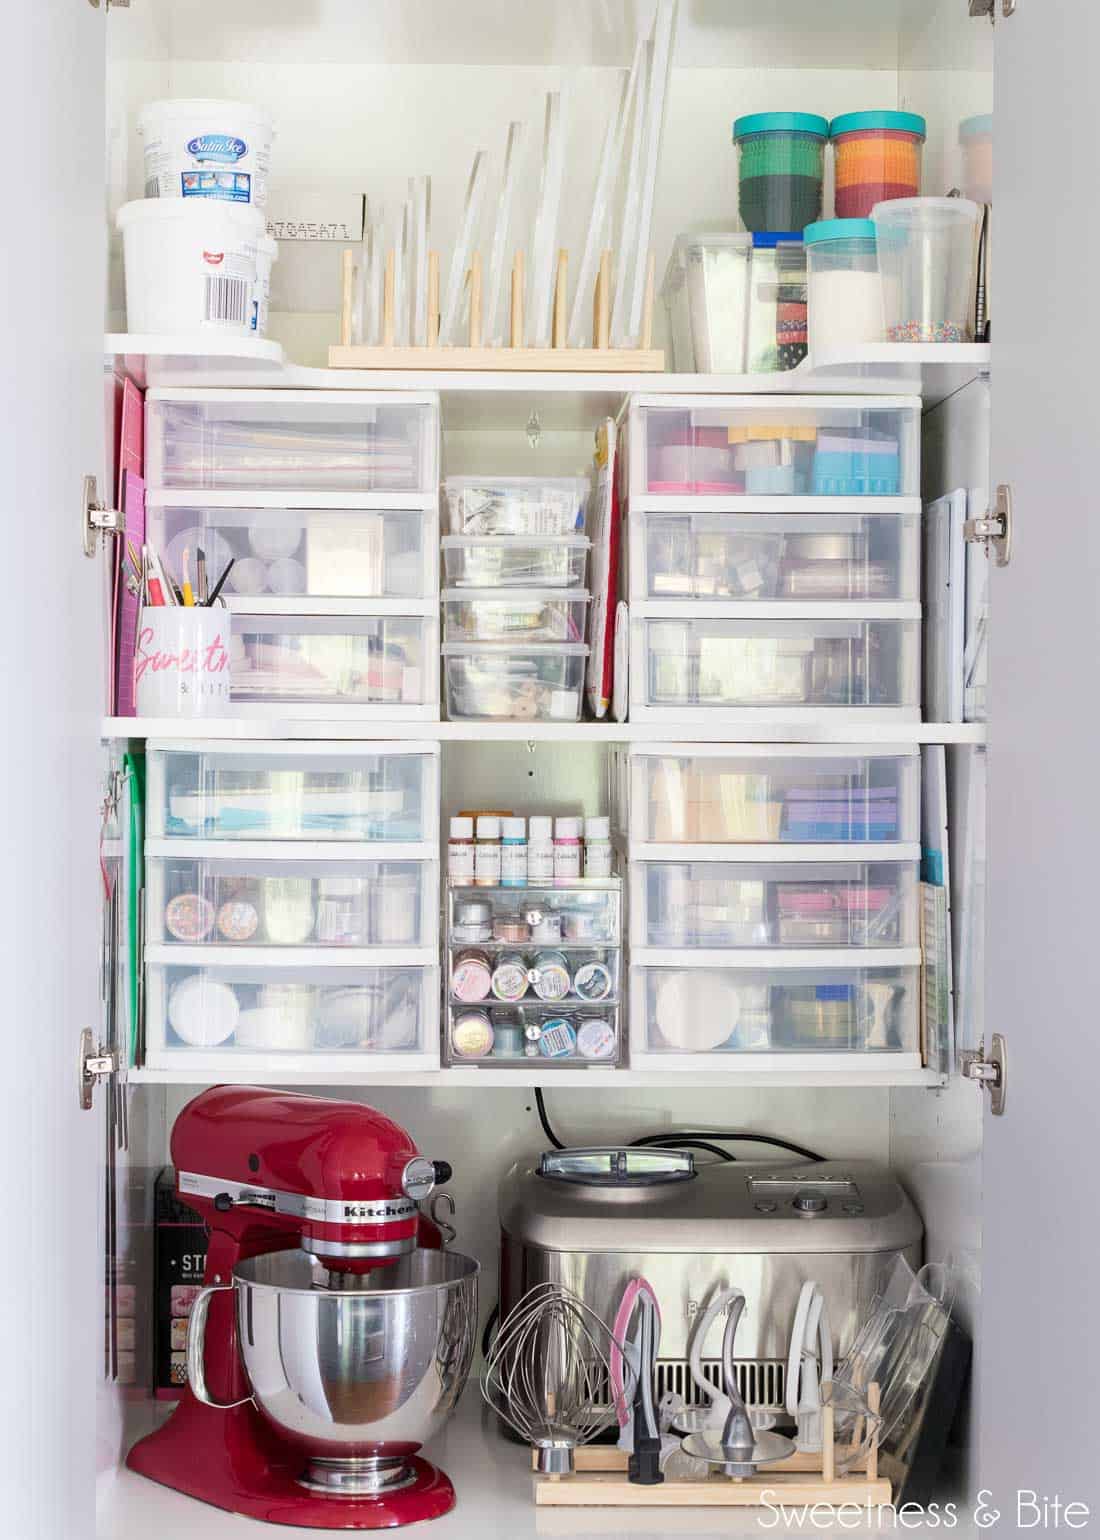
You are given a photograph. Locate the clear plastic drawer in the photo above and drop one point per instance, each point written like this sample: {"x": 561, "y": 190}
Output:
{"x": 219, "y": 1013}
{"x": 709, "y": 664}
{"x": 554, "y": 974}
{"x": 294, "y": 791}
{"x": 524, "y": 1036}
{"x": 539, "y": 682}
{"x": 302, "y": 553}
{"x": 510, "y": 561}
{"x": 797, "y": 446}
{"x": 516, "y": 505}
{"x": 236, "y": 439}
{"x": 775, "y": 558}
{"x": 575, "y": 912}
{"x": 525, "y": 615}
{"x": 228, "y": 897}
{"x": 704, "y": 794}
{"x": 715, "y": 904}
{"x": 381, "y": 661}
{"x": 700, "y": 1013}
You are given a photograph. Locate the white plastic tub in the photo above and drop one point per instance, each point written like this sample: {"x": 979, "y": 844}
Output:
{"x": 191, "y": 265}
{"x": 207, "y": 150}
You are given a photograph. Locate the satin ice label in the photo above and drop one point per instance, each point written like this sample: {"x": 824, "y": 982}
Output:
{"x": 225, "y": 149}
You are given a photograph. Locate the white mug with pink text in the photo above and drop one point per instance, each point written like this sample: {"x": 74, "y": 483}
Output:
{"x": 181, "y": 661}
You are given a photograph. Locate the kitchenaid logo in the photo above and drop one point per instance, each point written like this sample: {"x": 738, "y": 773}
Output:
{"x": 379, "y": 1211}
{"x": 223, "y": 148}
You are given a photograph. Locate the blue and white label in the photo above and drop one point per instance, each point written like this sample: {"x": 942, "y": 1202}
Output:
{"x": 223, "y": 149}
{"x": 231, "y": 186}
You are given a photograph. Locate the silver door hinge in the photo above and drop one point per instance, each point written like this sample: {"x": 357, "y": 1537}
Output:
{"x": 97, "y": 520}
{"x": 991, "y": 1073}
{"x": 994, "y": 528}
{"x": 95, "y": 1064}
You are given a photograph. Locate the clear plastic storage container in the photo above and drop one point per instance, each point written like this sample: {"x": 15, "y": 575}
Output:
{"x": 574, "y": 912}
{"x": 801, "y": 558}
{"x": 539, "y": 682}
{"x": 843, "y": 290}
{"x": 260, "y": 439}
{"x": 707, "y": 664}
{"x": 512, "y": 561}
{"x": 705, "y": 293}
{"x": 522, "y": 615}
{"x": 516, "y": 505}
{"x": 216, "y": 1013}
{"x": 294, "y": 791}
{"x": 306, "y": 553}
{"x": 781, "y": 163}
{"x": 876, "y": 157}
{"x": 776, "y": 339}
{"x": 927, "y": 253}
{"x": 384, "y": 661}
{"x": 976, "y": 143}
{"x": 794, "y": 446}
{"x": 229, "y": 898}
{"x": 709, "y": 794}
{"x": 714, "y": 904}
{"x": 502, "y": 1036}
{"x": 702, "y": 1012}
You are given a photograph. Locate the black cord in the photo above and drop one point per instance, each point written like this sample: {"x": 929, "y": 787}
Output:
{"x": 545, "y": 1121}
{"x": 671, "y": 1142}
{"x": 487, "y": 1330}
{"x": 679, "y": 1135}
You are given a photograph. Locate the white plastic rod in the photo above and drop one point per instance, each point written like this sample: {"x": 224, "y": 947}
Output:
{"x": 628, "y": 229}
{"x": 660, "y": 63}
{"x": 544, "y": 243}
{"x": 401, "y": 276}
{"x": 464, "y": 245}
{"x": 497, "y": 306}
{"x": 420, "y": 194}
{"x": 606, "y": 180}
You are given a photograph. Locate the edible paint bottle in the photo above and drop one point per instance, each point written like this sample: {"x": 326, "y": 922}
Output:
{"x": 567, "y": 849}
{"x": 513, "y": 852}
{"x": 597, "y": 847}
{"x": 460, "y": 853}
{"x": 540, "y": 852}
{"x": 487, "y": 852}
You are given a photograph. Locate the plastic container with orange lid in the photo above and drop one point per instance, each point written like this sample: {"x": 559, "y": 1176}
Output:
{"x": 878, "y": 157}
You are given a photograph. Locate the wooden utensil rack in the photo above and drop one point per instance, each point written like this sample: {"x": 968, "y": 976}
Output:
{"x": 514, "y": 354}
{"x": 801, "y": 1480}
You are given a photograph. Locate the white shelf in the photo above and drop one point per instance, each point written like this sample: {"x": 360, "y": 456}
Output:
{"x": 933, "y": 370}
{"x": 532, "y": 1073}
{"x": 669, "y": 727}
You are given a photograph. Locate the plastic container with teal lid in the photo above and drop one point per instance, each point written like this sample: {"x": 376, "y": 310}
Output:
{"x": 878, "y": 157}
{"x": 976, "y": 143}
{"x": 843, "y": 288}
{"x": 782, "y": 162}
{"x": 927, "y": 254}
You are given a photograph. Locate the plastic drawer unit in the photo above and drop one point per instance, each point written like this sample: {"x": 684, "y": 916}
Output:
{"x": 526, "y": 615}
{"x": 515, "y": 561}
{"x": 761, "y": 802}
{"x": 320, "y": 552}
{"x": 213, "y": 1010}
{"x": 313, "y": 440}
{"x": 377, "y": 794}
{"x": 800, "y": 1010}
{"x": 784, "y": 452}
{"x": 697, "y": 663}
{"x": 516, "y": 505}
{"x": 534, "y": 681}
{"x": 783, "y": 560}
{"x": 379, "y": 665}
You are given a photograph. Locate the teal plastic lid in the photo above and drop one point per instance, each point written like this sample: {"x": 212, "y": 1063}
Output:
{"x": 901, "y": 122}
{"x": 781, "y": 123}
{"x": 976, "y": 128}
{"x": 839, "y": 230}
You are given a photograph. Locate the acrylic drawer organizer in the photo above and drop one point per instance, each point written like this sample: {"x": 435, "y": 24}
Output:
{"x": 379, "y": 665}
{"x": 743, "y": 905}
{"x": 783, "y": 559}
{"x": 514, "y": 561}
{"x": 535, "y": 681}
{"x": 839, "y": 1010}
{"x": 322, "y": 552}
{"x": 316, "y": 440}
{"x": 533, "y": 973}
{"x": 378, "y": 793}
{"x": 275, "y": 895}
{"x": 772, "y": 449}
{"x": 836, "y": 799}
{"x": 693, "y": 662}
{"x": 331, "y": 1010}
{"x": 527, "y": 615}
{"x": 516, "y": 505}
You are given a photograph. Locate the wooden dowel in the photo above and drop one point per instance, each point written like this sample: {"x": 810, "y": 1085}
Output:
{"x": 387, "y": 301}
{"x": 516, "y": 339}
{"x": 475, "y": 300}
{"x": 602, "y": 328}
{"x": 873, "y": 1402}
{"x": 646, "y": 338}
{"x": 347, "y": 281}
{"x": 828, "y": 1450}
{"x": 557, "y": 335}
{"x": 433, "y": 298}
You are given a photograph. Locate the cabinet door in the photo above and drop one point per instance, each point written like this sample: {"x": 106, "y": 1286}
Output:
{"x": 51, "y": 429}
{"x": 1038, "y": 1401}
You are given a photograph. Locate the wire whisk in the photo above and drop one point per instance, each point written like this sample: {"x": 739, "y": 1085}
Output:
{"x": 549, "y": 1375}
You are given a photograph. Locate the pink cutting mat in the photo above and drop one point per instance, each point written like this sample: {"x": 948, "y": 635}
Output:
{"x": 131, "y": 491}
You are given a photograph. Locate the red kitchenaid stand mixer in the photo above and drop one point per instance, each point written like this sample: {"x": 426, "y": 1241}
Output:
{"x": 333, "y": 1336}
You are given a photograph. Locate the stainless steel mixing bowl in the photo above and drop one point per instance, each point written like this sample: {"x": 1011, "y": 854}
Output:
{"x": 356, "y": 1372}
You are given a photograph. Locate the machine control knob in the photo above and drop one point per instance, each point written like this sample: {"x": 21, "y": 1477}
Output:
{"x": 443, "y": 1171}
{"x": 766, "y": 1206}
{"x": 418, "y": 1179}
{"x": 810, "y": 1203}
{"x": 223, "y": 1203}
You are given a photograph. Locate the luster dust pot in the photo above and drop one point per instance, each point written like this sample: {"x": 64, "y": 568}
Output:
{"x": 193, "y": 266}
{"x": 207, "y": 150}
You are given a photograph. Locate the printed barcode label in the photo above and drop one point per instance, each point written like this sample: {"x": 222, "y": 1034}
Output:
{"x": 227, "y": 299}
